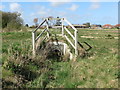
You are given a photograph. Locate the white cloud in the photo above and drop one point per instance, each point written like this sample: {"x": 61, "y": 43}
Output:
{"x": 94, "y": 0}
{"x": 32, "y": 14}
{"x": 59, "y": 0}
{"x": 73, "y": 7}
{"x": 95, "y": 5}
{"x": 62, "y": 13}
{"x": 15, "y": 7}
{"x": 56, "y": 3}
{"x": 42, "y": 12}
{"x": 2, "y": 7}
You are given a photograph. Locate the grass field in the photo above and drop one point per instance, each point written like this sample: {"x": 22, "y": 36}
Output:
{"x": 97, "y": 70}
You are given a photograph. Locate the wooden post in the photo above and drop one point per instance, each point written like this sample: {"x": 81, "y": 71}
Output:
{"x": 76, "y": 48}
{"x": 64, "y": 49}
{"x": 33, "y": 43}
{"x": 47, "y": 28}
{"x": 62, "y": 26}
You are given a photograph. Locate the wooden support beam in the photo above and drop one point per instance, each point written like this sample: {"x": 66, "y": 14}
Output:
{"x": 33, "y": 43}
{"x": 70, "y": 42}
{"x": 69, "y": 33}
{"x": 76, "y": 41}
{"x": 39, "y": 25}
{"x": 74, "y": 37}
{"x": 47, "y": 25}
{"x": 40, "y": 34}
{"x": 70, "y": 24}
{"x": 62, "y": 27}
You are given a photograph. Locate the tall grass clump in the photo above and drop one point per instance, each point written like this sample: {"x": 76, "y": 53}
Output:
{"x": 20, "y": 63}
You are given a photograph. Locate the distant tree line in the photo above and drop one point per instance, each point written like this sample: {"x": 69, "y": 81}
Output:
{"x": 11, "y": 21}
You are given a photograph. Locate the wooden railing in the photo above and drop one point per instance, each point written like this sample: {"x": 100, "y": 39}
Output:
{"x": 74, "y": 36}
{"x": 35, "y": 38}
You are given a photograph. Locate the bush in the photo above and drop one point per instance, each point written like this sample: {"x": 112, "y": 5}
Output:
{"x": 11, "y": 21}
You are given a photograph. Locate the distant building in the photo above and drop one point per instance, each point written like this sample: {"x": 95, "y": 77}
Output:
{"x": 107, "y": 26}
{"x": 95, "y": 26}
{"x": 78, "y": 26}
{"x": 117, "y": 26}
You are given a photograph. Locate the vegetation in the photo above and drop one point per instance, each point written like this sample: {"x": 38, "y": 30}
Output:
{"x": 11, "y": 21}
{"x": 97, "y": 70}
{"x": 35, "y": 21}
{"x": 87, "y": 25}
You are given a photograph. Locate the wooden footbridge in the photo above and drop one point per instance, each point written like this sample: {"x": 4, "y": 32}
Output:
{"x": 46, "y": 22}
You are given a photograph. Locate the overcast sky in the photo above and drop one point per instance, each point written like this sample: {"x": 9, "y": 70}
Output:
{"x": 76, "y": 12}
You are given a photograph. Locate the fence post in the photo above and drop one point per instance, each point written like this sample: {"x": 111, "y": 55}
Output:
{"x": 76, "y": 48}
{"x": 47, "y": 27}
{"x": 62, "y": 27}
{"x": 64, "y": 51}
{"x": 33, "y": 43}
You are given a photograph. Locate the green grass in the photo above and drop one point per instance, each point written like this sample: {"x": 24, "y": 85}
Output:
{"x": 98, "y": 70}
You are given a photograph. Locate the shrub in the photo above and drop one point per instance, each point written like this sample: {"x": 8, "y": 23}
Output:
{"x": 11, "y": 21}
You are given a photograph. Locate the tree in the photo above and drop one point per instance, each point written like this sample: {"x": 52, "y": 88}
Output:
{"x": 26, "y": 25}
{"x": 99, "y": 25}
{"x": 11, "y": 20}
{"x": 58, "y": 22}
{"x": 87, "y": 24}
{"x": 35, "y": 21}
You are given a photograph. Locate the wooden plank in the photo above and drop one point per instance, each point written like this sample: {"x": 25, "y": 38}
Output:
{"x": 39, "y": 25}
{"x": 76, "y": 47}
{"x": 64, "y": 50}
{"x": 47, "y": 25}
{"x": 69, "y": 33}
{"x": 33, "y": 43}
{"x": 40, "y": 34}
{"x": 70, "y": 24}
{"x": 69, "y": 41}
{"x": 75, "y": 34}
{"x": 62, "y": 28}
{"x": 39, "y": 41}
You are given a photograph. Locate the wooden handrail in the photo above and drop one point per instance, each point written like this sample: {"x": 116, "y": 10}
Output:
{"x": 40, "y": 34}
{"x": 69, "y": 41}
{"x": 74, "y": 37}
{"x": 70, "y": 24}
{"x": 69, "y": 33}
{"x": 39, "y": 26}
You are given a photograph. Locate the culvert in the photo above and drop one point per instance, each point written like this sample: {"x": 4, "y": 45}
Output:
{"x": 55, "y": 50}
{"x": 63, "y": 47}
